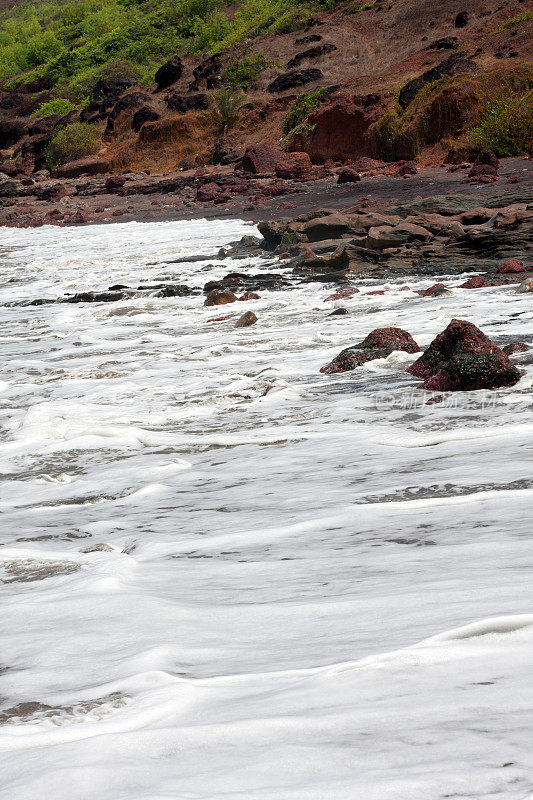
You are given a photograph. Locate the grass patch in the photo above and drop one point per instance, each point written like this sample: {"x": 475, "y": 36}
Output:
{"x": 58, "y": 106}
{"x": 244, "y": 73}
{"x": 506, "y": 126}
{"x": 514, "y": 22}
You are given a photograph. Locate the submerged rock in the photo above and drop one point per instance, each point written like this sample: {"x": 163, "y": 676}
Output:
{"x": 219, "y": 297}
{"x": 247, "y": 319}
{"x": 378, "y": 344}
{"x": 526, "y": 286}
{"x": 515, "y": 347}
{"x": 462, "y": 358}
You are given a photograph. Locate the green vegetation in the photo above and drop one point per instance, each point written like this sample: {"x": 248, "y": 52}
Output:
{"x": 242, "y": 74}
{"x": 73, "y": 141}
{"x": 64, "y": 45}
{"x": 297, "y": 115}
{"x": 227, "y": 109}
{"x": 506, "y": 126}
{"x": 58, "y": 106}
{"x": 355, "y": 8}
{"x": 489, "y": 110}
{"x": 514, "y": 22}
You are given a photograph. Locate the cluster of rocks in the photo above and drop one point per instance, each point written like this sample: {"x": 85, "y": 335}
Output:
{"x": 427, "y": 236}
{"x": 461, "y": 358}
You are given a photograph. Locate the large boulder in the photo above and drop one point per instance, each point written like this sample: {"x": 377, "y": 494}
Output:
{"x": 291, "y": 166}
{"x": 187, "y": 102}
{"x": 84, "y": 166}
{"x": 219, "y": 297}
{"x": 404, "y": 233}
{"x": 144, "y": 114}
{"x": 348, "y": 174}
{"x": 294, "y": 78}
{"x": 208, "y": 70}
{"x": 261, "y": 158}
{"x": 330, "y": 226}
{"x": 526, "y": 286}
{"x": 169, "y": 73}
{"x": 462, "y": 358}
{"x": 378, "y": 344}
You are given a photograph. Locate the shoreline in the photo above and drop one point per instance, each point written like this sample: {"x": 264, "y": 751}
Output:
{"x": 153, "y": 198}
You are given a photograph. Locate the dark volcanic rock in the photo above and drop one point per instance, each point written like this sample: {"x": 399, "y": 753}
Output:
{"x": 169, "y": 73}
{"x": 187, "y": 102}
{"x": 378, "y": 344}
{"x": 293, "y": 78}
{"x": 453, "y": 65}
{"x": 311, "y": 52}
{"x": 144, "y": 114}
{"x": 84, "y": 166}
{"x": 462, "y": 358}
{"x": 11, "y": 130}
{"x": 461, "y": 19}
{"x": 208, "y": 70}
{"x": 515, "y": 347}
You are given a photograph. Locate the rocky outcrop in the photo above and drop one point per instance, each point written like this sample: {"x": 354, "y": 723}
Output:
{"x": 311, "y": 52}
{"x": 340, "y": 128}
{"x": 291, "y": 166}
{"x": 294, "y": 78}
{"x": 453, "y": 65}
{"x": 169, "y": 73}
{"x": 84, "y": 166}
{"x": 462, "y": 358}
{"x": 187, "y": 102}
{"x": 378, "y": 344}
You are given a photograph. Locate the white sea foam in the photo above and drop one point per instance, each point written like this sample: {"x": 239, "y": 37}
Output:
{"x": 226, "y": 575}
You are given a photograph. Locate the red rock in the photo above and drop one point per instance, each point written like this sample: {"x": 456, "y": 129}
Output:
{"x": 84, "y": 166}
{"x": 219, "y": 297}
{"x": 511, "y": 265}
{"x": 114, "y": 182}
{"x": 293, "y": 165}
{"x": 340, "y": 294}
{"x": 429, "y": 292}
{"x": 483, "y": 171}
{"x": 473, "y": 283}
{"x": 247, "y": 319}
{"x": 376, "y": 291}
{"x": 486, "y": 156}
{"x": 515, "y": 347}
{"x": 221, "y": 319}
{"x": 249, "y": 296}
{"x": 462, "y": 358}
{"x": 348, "y": 174}
{"x": 406, "y": 169}
{"x": 260, "y": 158}
{"x": 378, "y": 344}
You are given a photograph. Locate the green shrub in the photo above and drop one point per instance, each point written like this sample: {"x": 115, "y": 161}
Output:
{"x": 245, "y": 72}
{"x": 226, "y": 109}
{"x": 355, "y": 8}
{"x": 74, "y": 141}
{"x": 58, "y": 106}
{"x": 506, "y": 126}
{"x": 301, "y": 108}
{"x": 514, "y": 22}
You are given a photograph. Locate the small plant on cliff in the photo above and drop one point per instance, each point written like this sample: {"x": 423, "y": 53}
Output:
{"x": 246, "y": 72}
{"x": 74, "y": 141}
{"x": 514, "y": 22}
{"x": 58, "y": 106}
{"x": 301, "y": 108}
{"x": 506, "y": 126}
{"x": 227, "y": 108}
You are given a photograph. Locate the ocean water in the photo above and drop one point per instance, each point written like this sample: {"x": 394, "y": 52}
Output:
{"x": 226, "y": 576}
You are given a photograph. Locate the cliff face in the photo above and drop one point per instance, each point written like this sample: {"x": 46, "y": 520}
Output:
{"x": 398, "y": 78}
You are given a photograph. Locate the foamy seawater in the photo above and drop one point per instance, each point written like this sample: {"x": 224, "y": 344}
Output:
{"x": 226, "y": 576}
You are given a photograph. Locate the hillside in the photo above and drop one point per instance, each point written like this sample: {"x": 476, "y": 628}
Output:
{"x": 161, "y": 86}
